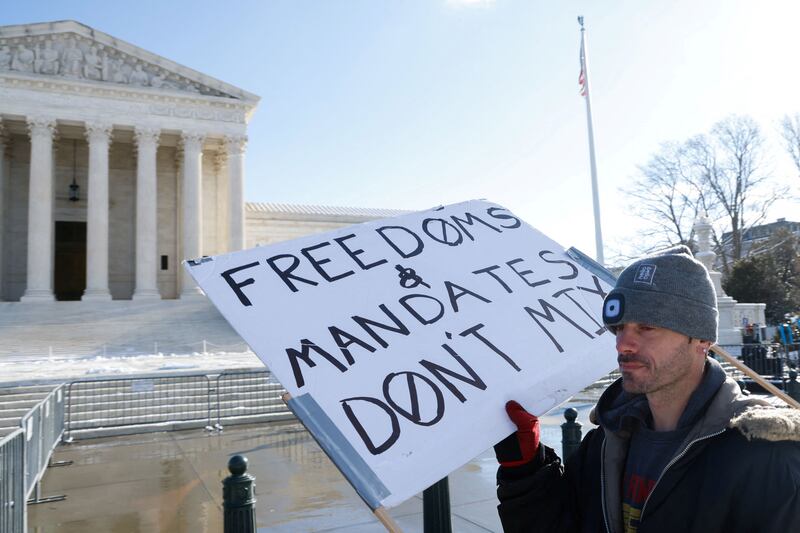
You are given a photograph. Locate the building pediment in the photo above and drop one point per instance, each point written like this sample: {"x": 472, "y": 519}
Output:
{"x": 69, "y": 51}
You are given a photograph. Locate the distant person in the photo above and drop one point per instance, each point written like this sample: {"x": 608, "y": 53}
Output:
{"x": 678, "y": 448}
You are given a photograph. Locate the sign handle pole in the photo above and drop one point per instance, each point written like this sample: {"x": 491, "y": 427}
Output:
{"x": 769, "y": 387}
{"x": 380, "y": 513}
{"x": 388, "y": 522}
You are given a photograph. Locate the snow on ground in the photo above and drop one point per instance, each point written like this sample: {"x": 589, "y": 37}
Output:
{"x": 37, "y": 369}
{"x": 22, "y": 370}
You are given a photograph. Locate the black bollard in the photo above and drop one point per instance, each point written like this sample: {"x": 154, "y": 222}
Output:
{"x": 570, "y": 434}
{"x": 239, "y": 497}
{"x": 792, "y": 386}
{"x": 436, "y": 508}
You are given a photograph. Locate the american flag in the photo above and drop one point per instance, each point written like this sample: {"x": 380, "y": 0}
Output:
{"x": 582, "y": 75}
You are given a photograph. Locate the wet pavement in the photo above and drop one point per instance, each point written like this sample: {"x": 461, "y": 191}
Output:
{"x": 171, "y": 482}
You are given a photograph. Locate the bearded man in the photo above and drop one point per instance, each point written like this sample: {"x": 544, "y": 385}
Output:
{"x": 678, "y": 447}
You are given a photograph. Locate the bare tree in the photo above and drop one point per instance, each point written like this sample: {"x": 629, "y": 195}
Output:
{"x": 731, "y": 168}
{"x": 663, "y": 197}
{"x": 790, "y": 129}
{"x": 722, "y": 174}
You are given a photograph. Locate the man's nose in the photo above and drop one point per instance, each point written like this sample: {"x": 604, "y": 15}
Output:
{"x": 626, "y": 340}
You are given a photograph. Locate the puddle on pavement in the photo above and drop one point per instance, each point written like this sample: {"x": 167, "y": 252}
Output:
{"x": 171, "y": 482}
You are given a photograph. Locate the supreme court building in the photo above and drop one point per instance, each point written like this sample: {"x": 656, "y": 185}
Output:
{"x": 116, "y": 164}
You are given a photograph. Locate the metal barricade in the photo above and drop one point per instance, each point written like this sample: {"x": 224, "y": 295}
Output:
{"x": 764, "y": 359}
{"x": 31, "y": 425}
{"x": 139, "y": 403}
{"x": 43, "y": 426}
{"x": 249, "y": 396}
{"x": 12, "y": 482}
{"x": 790, "y": 354}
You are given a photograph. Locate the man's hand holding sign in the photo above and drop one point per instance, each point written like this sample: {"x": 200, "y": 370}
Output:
{"x": 397, "y": 338}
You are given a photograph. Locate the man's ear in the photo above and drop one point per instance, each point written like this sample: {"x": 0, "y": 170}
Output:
{"x": 704, "y": 346}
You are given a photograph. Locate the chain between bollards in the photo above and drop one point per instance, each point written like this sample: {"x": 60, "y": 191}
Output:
{"x": 570, "y": 433}
{"x": 239, "y": 498}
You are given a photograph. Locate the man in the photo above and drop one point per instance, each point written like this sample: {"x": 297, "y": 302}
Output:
{"x": 678, "y": 448}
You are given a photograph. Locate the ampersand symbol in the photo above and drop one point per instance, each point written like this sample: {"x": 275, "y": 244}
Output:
{"x": 409, "y": 278}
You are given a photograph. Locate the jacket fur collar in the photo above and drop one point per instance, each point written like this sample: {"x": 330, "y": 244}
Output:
{"x": 769, "y": 423}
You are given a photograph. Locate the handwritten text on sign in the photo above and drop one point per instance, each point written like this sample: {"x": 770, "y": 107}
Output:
{"x": 412, "y": 333}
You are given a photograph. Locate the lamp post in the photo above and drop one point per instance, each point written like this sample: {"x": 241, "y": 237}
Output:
{"x": 74, "y": 188}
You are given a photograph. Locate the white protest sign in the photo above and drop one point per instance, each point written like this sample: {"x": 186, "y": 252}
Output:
{"x": 402, "y": 339}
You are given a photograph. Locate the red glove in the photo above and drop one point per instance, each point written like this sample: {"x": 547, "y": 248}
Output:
{"x": 519, "y": 448}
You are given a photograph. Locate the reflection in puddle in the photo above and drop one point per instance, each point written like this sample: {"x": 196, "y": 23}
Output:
{"x": 172, "y": 482}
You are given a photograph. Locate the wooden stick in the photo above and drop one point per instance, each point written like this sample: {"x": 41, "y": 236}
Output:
{"x": 387, "y": 521}
{"x": 380, "y": 513}
{"x": 769, "y": 387}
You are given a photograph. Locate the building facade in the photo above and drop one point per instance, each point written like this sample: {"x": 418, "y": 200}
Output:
{"x": 268, "y": 223}
{"x": 115, "y": 164}
{"x": 755, "y": 238}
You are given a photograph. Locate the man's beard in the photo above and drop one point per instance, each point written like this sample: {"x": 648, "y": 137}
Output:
{"x": 649, "y": 379}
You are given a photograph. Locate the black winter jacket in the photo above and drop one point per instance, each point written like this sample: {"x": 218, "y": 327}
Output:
{"x": 738, "y": 470}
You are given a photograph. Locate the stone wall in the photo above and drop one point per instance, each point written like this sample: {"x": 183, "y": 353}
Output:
{"x": 167, "y": 216}
{"x": 267, "y": 230}
{"x": 121, "y": 220}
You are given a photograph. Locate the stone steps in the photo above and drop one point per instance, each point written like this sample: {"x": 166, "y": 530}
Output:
{"x": 25, "y": 392}
{"x": 16, "y": 402}
{"x": 113, "y": 328}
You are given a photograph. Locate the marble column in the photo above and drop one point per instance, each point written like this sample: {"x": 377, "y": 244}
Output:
{"x": 220, "y": 158}
{"x": 146, "y": 214}
{"x": 192, "y": 208}
{"x": 3, "y": 178}
{"x": 40, "y": 212}
{"x": 235, "y": 146}
{"x": 98, "y": 135}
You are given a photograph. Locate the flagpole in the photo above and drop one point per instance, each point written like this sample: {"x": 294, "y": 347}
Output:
{"x": 598, "y": 232}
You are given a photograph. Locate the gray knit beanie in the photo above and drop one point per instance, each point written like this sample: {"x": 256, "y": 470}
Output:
{"x": 670, "y": 289}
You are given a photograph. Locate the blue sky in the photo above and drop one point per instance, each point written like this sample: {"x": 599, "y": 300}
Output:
{"x": 411, "y": 104}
